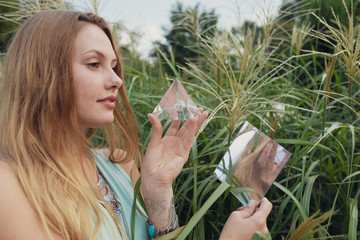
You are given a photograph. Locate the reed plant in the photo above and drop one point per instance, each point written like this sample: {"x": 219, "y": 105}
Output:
{"x": 241, "y": 78}
{"x": 23, "y": 9}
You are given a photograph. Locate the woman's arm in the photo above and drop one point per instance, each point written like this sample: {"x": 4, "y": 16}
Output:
{"x": 165, "y": 157}
{"x": 163, "y": 161}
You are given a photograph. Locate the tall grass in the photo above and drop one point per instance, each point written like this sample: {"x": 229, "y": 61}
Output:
{"x": 23, "y": 9}
{"x": 241, "y": 78}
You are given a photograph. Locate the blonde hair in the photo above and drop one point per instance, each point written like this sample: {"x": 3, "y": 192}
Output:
{"x": 244, "y": 164}
{"x": 40, "y": 135}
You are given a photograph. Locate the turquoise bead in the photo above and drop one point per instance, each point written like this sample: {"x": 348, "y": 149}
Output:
{"x": 107, "y": 199}
{"x": 151, "y": 231}
{"x": 118, "y": 213}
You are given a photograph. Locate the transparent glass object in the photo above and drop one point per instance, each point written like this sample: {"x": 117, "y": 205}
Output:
{"x": 251, "y": 164}
{"x": 176, "y": 104}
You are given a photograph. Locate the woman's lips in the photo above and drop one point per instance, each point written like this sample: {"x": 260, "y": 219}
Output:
{"x": 108, "y": 102}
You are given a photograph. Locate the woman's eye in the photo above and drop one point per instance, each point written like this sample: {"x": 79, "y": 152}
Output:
{"x": 94, "y": 65}
{"x": 114, "y": 68}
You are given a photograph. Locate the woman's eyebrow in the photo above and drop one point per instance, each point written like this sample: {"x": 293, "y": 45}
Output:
{"x": 97, "y": 52}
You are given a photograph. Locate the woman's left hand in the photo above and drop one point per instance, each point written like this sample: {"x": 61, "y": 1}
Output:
{"x": 166, "y": 156}
{"x": 163, "y": 161}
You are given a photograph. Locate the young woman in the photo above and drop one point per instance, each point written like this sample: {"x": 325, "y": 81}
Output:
{"x": 61, "y": 82}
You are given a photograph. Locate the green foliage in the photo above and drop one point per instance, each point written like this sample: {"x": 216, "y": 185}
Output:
{"x": 7, "y": 28}
{"x": 241, "y": 75}
{"x": 324, "y": 10}
{"x": 14, "y": 12}
{"x": 188, "y": 26}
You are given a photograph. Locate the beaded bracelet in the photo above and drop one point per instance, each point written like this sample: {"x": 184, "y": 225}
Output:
{"x": 153, "y": 232}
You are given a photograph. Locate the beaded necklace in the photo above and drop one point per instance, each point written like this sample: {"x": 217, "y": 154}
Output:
{"x": 110, "y": 197}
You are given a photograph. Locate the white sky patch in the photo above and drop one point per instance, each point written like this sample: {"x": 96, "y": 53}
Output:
{"x": 150, "y": 17}
{"x": 151, "y": 33}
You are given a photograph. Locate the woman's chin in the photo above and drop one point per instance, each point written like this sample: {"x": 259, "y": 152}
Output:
{"x": 98, "y": 124}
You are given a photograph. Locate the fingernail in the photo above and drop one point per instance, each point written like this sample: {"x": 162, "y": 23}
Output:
{"x": 149, "y": 118}
{"x": 251, "y": 203}
{"x": 240, "y": 208}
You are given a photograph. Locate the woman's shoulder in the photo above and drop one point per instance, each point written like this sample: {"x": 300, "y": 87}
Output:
{"x": 18, "y": 219}
{"x": 10, "y": 188}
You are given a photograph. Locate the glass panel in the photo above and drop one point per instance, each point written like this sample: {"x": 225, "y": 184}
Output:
{"x": 252, "y": 161}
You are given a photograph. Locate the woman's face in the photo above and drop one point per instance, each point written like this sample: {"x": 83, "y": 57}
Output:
{"x": 96, "y": 83}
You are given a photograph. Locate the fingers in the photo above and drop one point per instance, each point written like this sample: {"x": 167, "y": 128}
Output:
{"x": 173, "y": 129}
{"x": 175, "y": 124}
{"x": 191, "y": 126}
{"x": 273, "y": 152}
{"x": 248, "y": 211}
{"x": 258, "y": 210}
{"x": 156, "y": 132}
{"x": 263, "y": 210}
{"x": 264, "y": 153}
{"x": 201, "y": 119}
{"x": 189, "y": 129}
{"x": 186, "y": 132}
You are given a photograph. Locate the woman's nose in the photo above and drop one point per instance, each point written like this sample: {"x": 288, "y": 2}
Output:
{"x": 114, "y": 81}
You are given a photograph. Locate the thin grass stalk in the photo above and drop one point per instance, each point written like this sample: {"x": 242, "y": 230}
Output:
{"x": 329, "y": 74}
{"x": 199, "y": 214}
{"x": 172, "y": 57}
{"x": 161, "y": 75}
{"x": 334, "y": 96}
{"x": 354, "y": 217}
{"x": 95, "y": 5}
{"x": 348, "y": 39}
{"x": 185, "y": 76}
{"x": 235, "y": 91}
{"x": 26, "y": 8}
{"x": 219, "y": 78}
{"x": 195, "y": 180}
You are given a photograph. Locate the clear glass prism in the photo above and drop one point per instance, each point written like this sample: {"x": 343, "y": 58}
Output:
{"x": 176, "y": 104}
{"x": 251, "y": 164}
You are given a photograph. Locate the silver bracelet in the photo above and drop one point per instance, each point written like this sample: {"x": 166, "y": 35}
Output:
{"x": 153, "y": 232}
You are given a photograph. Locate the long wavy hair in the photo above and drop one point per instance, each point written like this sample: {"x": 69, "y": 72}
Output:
{"x": 243, "y": 167}
{"x": 40, "y": 134}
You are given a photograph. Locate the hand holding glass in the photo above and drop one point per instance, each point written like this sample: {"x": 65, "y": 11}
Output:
{"x": 252, "y": 161}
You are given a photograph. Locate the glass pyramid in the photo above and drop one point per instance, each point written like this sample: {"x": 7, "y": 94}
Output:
{"x": 176, "y": 104}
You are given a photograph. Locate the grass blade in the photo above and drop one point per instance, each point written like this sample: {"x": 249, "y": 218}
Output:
{"x": 199, "y": 214}
{"x": 354, "y": 219}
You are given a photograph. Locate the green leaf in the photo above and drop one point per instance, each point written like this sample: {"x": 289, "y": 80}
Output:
{"x": 354, "y": 218}
{"x": 199, "y": 214}
{"x": 259, "y": 235}
{"x": 134, "y": 207}
{"x": 297, "y": 203}
{"x": 170, "y": 65}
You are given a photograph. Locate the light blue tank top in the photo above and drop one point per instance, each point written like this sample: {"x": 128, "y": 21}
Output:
{"x": 120, "y": 183}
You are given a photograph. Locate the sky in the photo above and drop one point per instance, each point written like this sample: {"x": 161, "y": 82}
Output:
{"x": 150, "y": 16}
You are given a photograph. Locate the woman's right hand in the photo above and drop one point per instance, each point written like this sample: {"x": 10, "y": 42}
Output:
{"x": 245, "y": 221}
